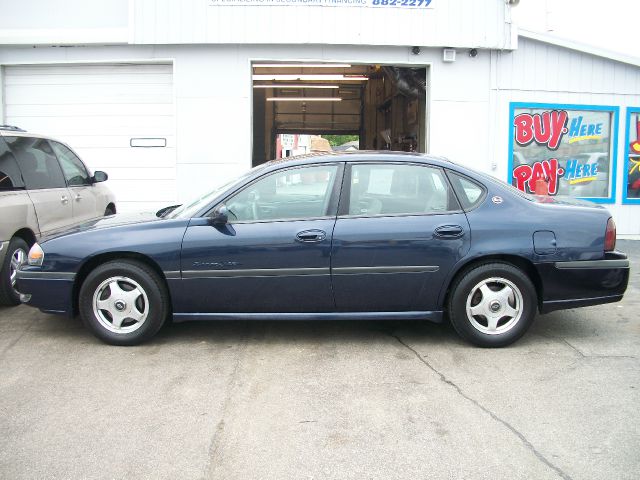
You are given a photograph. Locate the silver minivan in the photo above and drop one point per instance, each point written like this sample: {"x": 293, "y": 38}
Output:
{"x": 44, "y": 188}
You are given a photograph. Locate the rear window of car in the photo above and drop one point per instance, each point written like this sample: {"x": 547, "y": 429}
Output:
{"x": 469, "y": 192}
{"x": 10, "y": 176}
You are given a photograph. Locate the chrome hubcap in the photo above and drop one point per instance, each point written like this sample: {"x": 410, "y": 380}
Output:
{"x": 494, "y": 306}
{"x": 120, "y": 304}
{"x": 18, "y": 258}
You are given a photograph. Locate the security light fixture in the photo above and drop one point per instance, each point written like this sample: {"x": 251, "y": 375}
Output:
{"x": 448, "y": 55}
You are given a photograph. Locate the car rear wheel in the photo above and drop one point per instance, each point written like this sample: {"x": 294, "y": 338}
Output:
{"x": 16, "y": 256}
{"x": 123, "y": 302}
{"x": 492, "y": 305}
{"x": 110, "y": 210}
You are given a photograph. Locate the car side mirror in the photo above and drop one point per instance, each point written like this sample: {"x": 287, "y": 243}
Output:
{"x": 100, "y": 176}
{"x": 220, "y": 216}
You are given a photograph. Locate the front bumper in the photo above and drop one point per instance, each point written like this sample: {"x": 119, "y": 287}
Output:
{"x": 51, "y": 292}
{"x": 584, "y": 282}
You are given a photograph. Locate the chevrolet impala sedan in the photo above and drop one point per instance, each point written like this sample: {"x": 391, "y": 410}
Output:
{"x": 352, "y": 236}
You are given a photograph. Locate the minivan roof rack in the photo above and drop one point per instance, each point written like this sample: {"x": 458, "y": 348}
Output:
{"x": 11, "y": 128}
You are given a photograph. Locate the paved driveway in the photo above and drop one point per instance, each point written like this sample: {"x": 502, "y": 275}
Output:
{"x": 343, "y": 400}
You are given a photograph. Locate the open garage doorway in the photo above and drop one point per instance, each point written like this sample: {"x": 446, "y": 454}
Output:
{"x": 307, "y": 107}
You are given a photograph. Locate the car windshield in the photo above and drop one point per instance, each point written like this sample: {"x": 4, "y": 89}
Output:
{"x": 189, "y": 209}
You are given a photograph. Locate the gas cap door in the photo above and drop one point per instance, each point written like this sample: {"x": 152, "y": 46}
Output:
{"x": 544, "y": 242}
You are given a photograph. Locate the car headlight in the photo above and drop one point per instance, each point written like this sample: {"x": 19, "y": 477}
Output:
{"x": 36, "y": 255}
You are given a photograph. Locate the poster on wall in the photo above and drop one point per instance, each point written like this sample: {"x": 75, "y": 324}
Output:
{"x": 563, "y": 150}
{"x": 632, "y": 175}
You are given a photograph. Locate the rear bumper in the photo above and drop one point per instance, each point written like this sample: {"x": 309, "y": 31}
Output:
{"x": 584, "y": 282}
{"x": 51, "y": 292}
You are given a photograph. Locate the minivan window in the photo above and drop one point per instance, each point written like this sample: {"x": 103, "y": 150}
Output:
{"x": 74, "y": 170}
{"x": 10, "y": 177}
{"x": 37, "y": 162}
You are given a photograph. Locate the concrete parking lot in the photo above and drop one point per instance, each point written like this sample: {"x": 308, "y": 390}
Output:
{"x": 339, "y": 400}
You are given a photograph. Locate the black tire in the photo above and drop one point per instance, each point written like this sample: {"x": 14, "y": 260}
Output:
{"x": 8, "y": 295}
{"x": 106, "y": 282}
{"x": 110, "y": 210}
{"x": 510, "y": 300}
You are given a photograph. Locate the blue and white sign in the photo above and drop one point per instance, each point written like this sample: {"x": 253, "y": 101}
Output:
{"x": 325, "y": 3}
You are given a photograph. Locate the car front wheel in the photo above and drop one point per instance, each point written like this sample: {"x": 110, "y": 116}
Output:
{"x": 16, "y": 256}
{"x": 492, "y": 305}
{"x": 123, "y": 302}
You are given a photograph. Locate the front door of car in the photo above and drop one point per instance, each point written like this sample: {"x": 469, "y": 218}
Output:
{"x": 44, "y": 180}
{"x": 273, "y": 255}
{"x": 399, "y": 232}
{"x": 83, "y": 195}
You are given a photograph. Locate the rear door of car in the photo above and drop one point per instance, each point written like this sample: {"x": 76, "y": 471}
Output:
{"x": 399, "y": 232}
{"x": 83, "y": 193}
{"x": 44, "y": 180}
{"x": 273, "y": 255}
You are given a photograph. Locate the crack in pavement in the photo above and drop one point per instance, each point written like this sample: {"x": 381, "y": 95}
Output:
{"x": 580, "y": 353}
{"x": 214, "y": 445}
{"x": 506, "y": 424}
{"x": 584, "y": 355}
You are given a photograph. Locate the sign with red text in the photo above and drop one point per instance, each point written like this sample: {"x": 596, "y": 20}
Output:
{"x": 632, "y": 194}
{"x": 561, "y": 151}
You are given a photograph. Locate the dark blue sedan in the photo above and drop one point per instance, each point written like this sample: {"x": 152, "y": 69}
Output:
{"x": 351, "y": 236}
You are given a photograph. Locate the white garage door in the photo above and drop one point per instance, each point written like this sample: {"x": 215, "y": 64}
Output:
{"x": 100, "y": 110}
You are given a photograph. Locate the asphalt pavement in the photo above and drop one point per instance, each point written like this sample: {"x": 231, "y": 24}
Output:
{"x": 324, "y": 400}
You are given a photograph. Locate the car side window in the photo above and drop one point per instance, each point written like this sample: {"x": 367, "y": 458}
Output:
{"x": 37, "y": 162}
{"x": 296, "y": 193}
{"x": 10, "y": 176}
{"x": 469, "y": 192}
{"x": 74, "y": 170}
{"x": 399, "y": 189}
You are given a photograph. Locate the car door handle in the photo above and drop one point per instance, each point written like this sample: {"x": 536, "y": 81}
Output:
{"x": 449, "y": 231}
{"x": 311, "y": 236}
{"x": 78, "y": 197}
{"x": 64, "y": 199}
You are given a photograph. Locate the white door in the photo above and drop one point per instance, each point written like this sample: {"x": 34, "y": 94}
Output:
{"x": 100, "y": 110}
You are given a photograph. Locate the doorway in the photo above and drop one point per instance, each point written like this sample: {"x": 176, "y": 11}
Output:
{"x": 372, "y": 107}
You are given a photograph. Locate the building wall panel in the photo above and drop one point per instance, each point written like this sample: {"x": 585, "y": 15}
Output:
{"x": 455, "y": 23}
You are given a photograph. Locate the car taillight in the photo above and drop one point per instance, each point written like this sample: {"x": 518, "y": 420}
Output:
{"x": 610, "y": 236}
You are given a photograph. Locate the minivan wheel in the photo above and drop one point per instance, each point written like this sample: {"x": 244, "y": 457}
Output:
{"x": 16, "y": 255}
{"x": 492, "y": 305}
{"x": 123, "y": 302}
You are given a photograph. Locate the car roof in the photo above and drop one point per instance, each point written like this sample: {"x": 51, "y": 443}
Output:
{"x": 13, "y": 132}
{"x": 359, "y": 156}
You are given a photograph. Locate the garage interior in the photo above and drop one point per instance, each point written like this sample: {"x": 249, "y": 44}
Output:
{"x": 384, "y": 105}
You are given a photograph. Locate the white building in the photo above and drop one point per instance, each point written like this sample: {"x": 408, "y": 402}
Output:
{"x": 173, "y": 98}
